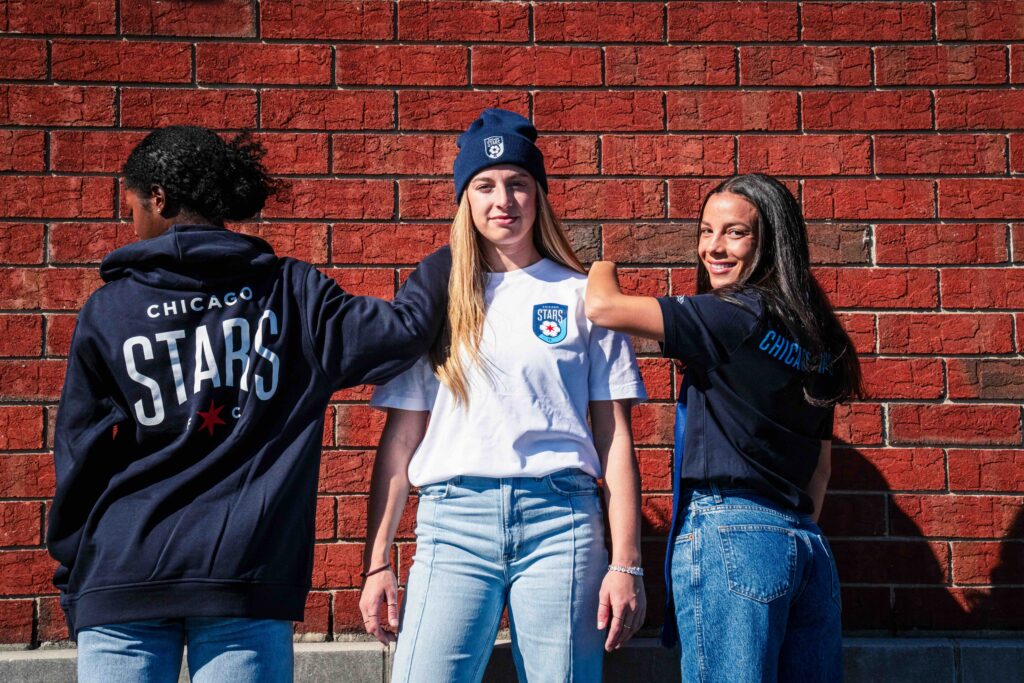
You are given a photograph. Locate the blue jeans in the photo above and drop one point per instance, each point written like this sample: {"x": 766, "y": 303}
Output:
{"x": 219, "y": 650}
{"x": 535, "y": 545}
{"x": 756, "y": 593}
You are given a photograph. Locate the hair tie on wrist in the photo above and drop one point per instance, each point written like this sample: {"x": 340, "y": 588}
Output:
{"x": 378, "y": 570}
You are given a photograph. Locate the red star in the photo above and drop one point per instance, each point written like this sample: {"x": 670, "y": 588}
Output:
{"x": 211, "y": 418}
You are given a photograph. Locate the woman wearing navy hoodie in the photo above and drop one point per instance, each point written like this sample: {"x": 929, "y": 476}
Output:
{"x": 188, "y": 435}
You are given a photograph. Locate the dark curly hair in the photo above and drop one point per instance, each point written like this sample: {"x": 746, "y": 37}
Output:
{"x": 201, "y": 172}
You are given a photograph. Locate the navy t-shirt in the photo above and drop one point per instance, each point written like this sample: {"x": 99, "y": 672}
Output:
{"x": 747, "y": 422}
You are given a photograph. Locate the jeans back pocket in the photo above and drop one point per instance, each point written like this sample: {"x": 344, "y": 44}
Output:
{"x": 760, "y": 560}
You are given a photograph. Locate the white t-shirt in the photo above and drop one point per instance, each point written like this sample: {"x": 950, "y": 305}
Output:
{"x": 542, "y": 362}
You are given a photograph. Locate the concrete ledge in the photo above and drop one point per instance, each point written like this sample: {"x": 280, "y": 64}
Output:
{"x": 866, "y": 660}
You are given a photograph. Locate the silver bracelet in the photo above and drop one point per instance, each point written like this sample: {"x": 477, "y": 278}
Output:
{"x": 632, "y": 571}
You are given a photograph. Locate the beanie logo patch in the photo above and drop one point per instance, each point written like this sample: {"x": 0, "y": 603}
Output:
{"x": 494, "y": 146}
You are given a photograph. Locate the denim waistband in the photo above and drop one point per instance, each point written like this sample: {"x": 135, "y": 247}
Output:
{"x": 712, "y": 495}
{"x": 479, "y": 482}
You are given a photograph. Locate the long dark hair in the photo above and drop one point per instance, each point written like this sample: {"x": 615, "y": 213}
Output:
{"x": 201, "y": 172}
{"x": 781, "y": 273}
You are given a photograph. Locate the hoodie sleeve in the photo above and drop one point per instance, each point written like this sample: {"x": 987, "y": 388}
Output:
{"x": 365, "y": 340}
{"x": 83, "y": 451}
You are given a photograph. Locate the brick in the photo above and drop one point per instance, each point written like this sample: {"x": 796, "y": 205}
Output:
{"x": 327, "y": 19}
{"x": 643, "y": 281}
{"x": 805, "y": 66}
{"x": 87, "y": 242}
{"x": 729, "y": 110}
{"x": 862, "y": 199}
{"x": 333, "y": 109}
{"x": 953, "y": 515}
{"x": 16, "y": 621}
{"x": 858, "y": 423}
{"x": 345, "y": 471}
{"x": 657, "y": 376}
{"x": 686, "y": 195}
{"x": 1016, "y": 153}
{"x": 670, "y": 65}
{"x": 853, "y": 514}
{"x": 1019, "y": 318}
{"x": 337, "y": 565}
{"x": 359, "y": 425}
{"x": 151, "y": 108}
{"x": 56, "y": 105}
{"x": 385, "y": 242}
{"x": 732, "y": 22}
{"x": 1017, "y": 64}
{"x": 378, "y": 282}
{"x": 31, "y": 380}
{"x": 228, "y": 18}
{"x": 24, "y": 60}
{"x": 979, "y": 109}
{"x": 294, "y": 153}
{"x": 940, "y": 244}
{"x": 26, "y": 572}
{"x": 805, "y": 155}
{"x": 453, "y": 110}
{"x": 986, "y": 470}
{"x": 304, "y": 241}
{"x": 940, "y": 64}
{"x": 983, "y": 288}
{"x": 598, "y": 199}
{"x": 67, "y": 16}
{"x": 879, "y": 287}
{"x": 468, "y": 20}
{"x": 394, "y": 154}
{"x": 888, "y": 469}
{"x": 979, "y": 20}
{"x": 263, "y": 64}
{"x": 892, "y": 561}
{"x": 22, "y": 150}
{"x": 954, "y": 424}
{"x": 987, "y": 562}
{"x": 656, "y": 511}
{"x": 20, "y": 523}
{"x": 945, "y": 333}
{"x": 20, "y": 335}
{"x": 59, "y": 328}
{"x": 653, "y": 424}
{"x": 598, "y": 111}
{"x": 667, "y": 155}
{"x": 897, "y": 378}
{"x": 655, "y": 469}
{"x": 91, "y": 151}
{"x": 957, "y": 608}
{"x": 631, "y": 22}
{"x": 888, "y": 110}
{"x": 426, "y": 199}
{"x": 324, "y": 521}
{"x": 56, "y": 197}
{"x": 650, "y": 242}
{"x": 981, "y": 198}
{"x": 26, "y": 475}
{"x": 52, "y": 625}
{"x": 585, "y": 239}
{"x": 401, "y": 65}
{"x": 838, "y": 243}
{"x": 331, "y": 198}
{"x": 95, "y": 60}
{"x": 987, "y": 378}
{"x": 1018, "y": 245}
{"x": 940, "y": 154}
{"x": 534, "y": 66}
{"x": 865, "y": 607}
{"x": 22, "y": 428}
{"x": 316, "y": 618}
{"x": 866, "y": 21}
{"x": 569, "y": 154}
{"x": 861, "y": 329}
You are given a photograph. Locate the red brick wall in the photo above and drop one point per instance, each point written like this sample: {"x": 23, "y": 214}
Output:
{"x": 898, "y": 123}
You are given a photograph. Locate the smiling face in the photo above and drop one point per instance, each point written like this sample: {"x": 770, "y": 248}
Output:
{"x": 728, "y": 238}
{"x": 503, "y": 202}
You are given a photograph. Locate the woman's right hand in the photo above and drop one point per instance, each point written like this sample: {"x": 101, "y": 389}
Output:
{"x": 380, "y": 587}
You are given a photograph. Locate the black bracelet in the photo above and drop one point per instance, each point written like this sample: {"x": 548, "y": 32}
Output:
{"x": 378, "y": 570}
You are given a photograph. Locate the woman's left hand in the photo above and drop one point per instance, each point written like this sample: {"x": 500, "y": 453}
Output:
{"x": 623, "y": 608}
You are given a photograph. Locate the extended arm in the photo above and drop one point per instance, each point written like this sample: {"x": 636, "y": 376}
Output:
{"x": 608, "y": 307}
{"x": 819, "y": 480}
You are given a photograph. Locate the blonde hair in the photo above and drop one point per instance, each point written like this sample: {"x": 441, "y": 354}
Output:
{"x": 459, "y": 346}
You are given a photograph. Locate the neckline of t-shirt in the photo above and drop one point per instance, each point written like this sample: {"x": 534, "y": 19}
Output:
{"x": 532, "y": 269}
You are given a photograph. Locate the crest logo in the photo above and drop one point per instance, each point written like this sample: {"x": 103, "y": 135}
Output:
{"x": 550, "y": 322}
{"x": 494, "y": 146}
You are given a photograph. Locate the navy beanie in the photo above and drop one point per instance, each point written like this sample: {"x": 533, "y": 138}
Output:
{"x": 498, "y": 137}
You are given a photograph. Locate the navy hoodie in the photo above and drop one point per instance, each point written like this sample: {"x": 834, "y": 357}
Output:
{"x": 188, "y": 437}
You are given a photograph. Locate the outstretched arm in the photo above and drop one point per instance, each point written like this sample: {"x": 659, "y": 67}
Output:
{"x": 608, "y": 307}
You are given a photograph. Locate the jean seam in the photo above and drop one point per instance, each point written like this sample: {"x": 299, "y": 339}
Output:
{"x": 572, "y": 587}
{"x": 695, "y": 583}
{"x": 726, "y": 507}
{"x": 423, "y": 603}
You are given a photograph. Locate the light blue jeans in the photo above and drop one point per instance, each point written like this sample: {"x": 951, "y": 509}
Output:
{"x": 219, "y": 650}
{"x": 535, "y": 545}
{"x": 756, "y": 593}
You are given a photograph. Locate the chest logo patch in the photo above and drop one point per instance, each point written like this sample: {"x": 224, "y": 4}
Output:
{"x": 550, "y": 322}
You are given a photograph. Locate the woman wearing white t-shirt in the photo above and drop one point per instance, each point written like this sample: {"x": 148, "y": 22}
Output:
{"x": 509, "y": 510}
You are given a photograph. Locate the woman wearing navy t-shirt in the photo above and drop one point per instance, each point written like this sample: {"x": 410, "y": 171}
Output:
{"x": 752, "y": 578}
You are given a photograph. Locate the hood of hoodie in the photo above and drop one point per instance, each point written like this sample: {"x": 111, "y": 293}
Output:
{"x": 188, "y": 257}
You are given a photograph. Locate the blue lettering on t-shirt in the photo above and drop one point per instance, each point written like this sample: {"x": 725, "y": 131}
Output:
{"x": 790, "y": 352}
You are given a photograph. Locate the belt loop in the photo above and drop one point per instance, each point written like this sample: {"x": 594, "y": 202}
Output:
{"x": 717, "y": 493}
